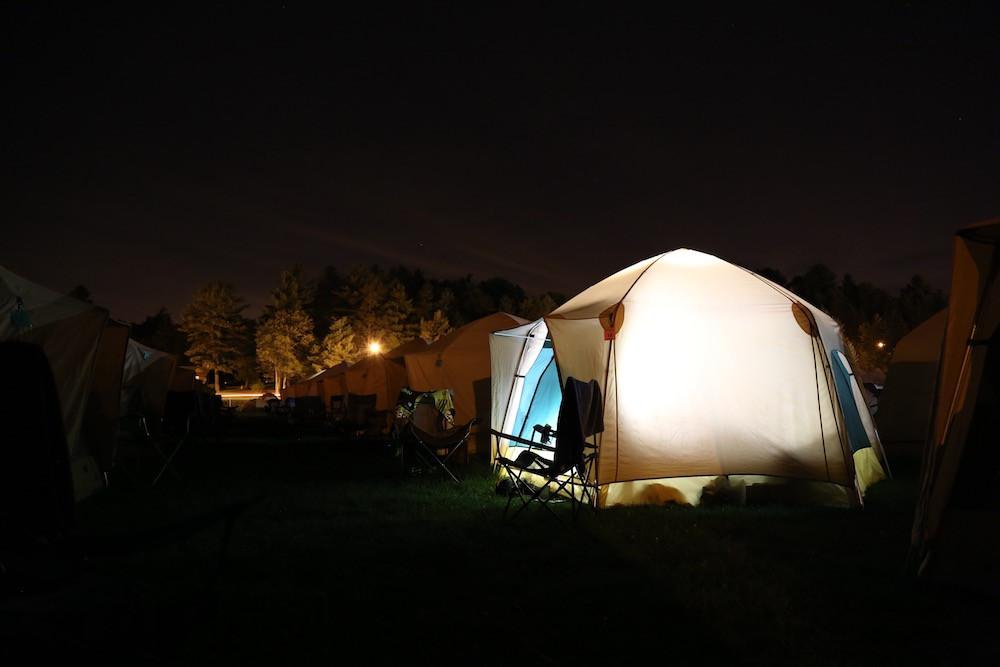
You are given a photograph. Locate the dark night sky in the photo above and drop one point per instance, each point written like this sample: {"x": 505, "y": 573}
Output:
{"x": 148, "y": 154}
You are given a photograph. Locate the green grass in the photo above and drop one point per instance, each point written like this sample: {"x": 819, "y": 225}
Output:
{"x": 342, "y": 555}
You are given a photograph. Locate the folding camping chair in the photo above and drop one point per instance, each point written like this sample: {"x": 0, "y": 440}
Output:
{"x": 432, "y": 446}
{"x": 162, "y": 437}
{"x": 565, "y": 469}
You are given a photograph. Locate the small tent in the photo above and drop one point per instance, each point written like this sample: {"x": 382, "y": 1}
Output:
{"x": 146, "y": 379}
{"x": 904, "y": 406}
{"x": 85, "y": 349}
{"x": 706, "y": 370}
{"x": 460, "y": 361}
{"x": 376, "y": 375}
{"x": 954, "y": 531}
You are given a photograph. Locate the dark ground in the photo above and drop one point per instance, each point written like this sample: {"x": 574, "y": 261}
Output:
{"x": 338, "y": 555}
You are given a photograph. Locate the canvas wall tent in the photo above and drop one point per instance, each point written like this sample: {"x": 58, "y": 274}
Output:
{"x": 85, "y": 349}
{"x": 378, "y": 375}
{"x": 399, "y": 352}
{"x": 706, "y": 369}
{"x": 326, "y": 383}
{"x": 460, "y": 361}
{"x": 904, "y": 407}
{"x": 954, "y": 532}
{"x": 146, "y": 379}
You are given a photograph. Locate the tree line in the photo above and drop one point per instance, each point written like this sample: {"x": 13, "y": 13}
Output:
{"x": 312, "y": 323}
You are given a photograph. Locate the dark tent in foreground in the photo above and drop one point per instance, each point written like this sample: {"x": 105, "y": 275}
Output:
{"x": 85, "y": 349}
{"x": 958, "y": 511}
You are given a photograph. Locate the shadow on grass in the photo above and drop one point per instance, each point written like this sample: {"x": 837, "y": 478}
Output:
{"x": 345, "y": 555}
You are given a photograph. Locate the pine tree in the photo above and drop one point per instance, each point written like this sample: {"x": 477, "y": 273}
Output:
{"x": 434, "y": 328}
{"x": 215, "y": 328}
{"x": 294, "y": 292}
{"x": 535, "y": 307}
{"x": 339, "y": 345}
{"x": 424, "y": 305}
{"x": 381, "y": 310}
{"x": 285, "y": 345}
{"x": 397, "y": 323}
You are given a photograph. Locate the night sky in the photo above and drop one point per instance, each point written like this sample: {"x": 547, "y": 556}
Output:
{"x": 147, "y": 154}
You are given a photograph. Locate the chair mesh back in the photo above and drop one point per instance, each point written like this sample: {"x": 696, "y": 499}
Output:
{"x": 581, "y": 415}
{"x": 426, "y": 417}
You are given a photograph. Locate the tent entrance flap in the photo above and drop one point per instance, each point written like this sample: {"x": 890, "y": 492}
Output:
{"x": 856, "y": 434}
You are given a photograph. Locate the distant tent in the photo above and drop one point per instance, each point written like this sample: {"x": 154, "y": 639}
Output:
{"x": 146, "y": 380}
{"x": 376, "y": 374}
{"x": 904, "y": 406}
{"x": 706, "y": 370}
{"x": 85, "y": 350}
{"x": 958, "y": 511}
{"x": 460, "y": 361}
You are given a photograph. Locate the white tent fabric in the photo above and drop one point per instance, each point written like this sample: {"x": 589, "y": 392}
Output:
{"x": 70, "y": 332}
{"x": 706, "y": 370}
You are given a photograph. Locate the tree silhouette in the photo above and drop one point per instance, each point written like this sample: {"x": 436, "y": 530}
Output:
{"x": 215, "y": 328}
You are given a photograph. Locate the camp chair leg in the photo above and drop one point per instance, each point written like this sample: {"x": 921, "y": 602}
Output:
{"x": 518, "y": 488}
{"x": 168, "y": 462}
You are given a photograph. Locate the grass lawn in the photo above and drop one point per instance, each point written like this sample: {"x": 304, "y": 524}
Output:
{"x": 340, "y": 555}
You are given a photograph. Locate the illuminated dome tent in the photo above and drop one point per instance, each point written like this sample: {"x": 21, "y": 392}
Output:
{"x": 706, "y": 370}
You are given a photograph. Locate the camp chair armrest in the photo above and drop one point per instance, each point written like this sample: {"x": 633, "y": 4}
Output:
{"x": 523, "y": 441}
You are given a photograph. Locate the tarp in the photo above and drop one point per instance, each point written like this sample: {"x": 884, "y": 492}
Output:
{"x": 460, "y": 361}
{"x": 146, "y": 378}
{"x": 954, "y": 531}
{"x": 904, "y": 406}
{"x": 86, "y": 365}
{"x": 706, "y": 369}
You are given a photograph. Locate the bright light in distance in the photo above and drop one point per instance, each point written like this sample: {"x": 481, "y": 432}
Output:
{"x": 880, "y": 345}
{"x": 374, "y": 347}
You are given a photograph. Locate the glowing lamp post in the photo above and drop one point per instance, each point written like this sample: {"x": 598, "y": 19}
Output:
{"x": 374, "y": 347}
{"x": 880, "y": 345}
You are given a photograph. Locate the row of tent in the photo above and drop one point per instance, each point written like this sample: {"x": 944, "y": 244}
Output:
{"x": 707, "y": 370}
{"x": 459, "y": 361}
{"x": 98, "y": 371}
